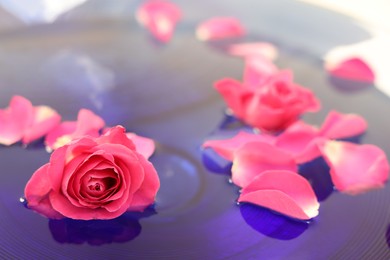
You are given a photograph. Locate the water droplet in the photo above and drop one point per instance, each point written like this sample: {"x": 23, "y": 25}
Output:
{"x": 23, "y": 201}
{"x": 230, "y": 180}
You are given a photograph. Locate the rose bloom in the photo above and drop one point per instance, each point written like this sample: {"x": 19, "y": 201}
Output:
{"x": 93, "y": 178}
{"x": 271, "y": 106}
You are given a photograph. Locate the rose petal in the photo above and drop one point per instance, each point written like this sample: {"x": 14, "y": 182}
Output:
{"x": 355, "y": 168}
{"x": 15, "y": 119}
{"x": 352, "y": 69}
{"x": 300, "y": 140}
{"x": 227, "y": 147}
{"x": 159, "y": 17}
{"x": 36, "y": 193}
{"x": 258, "y": 70}
{"x": 145, "y": 146}
{"x": 263, "y": 49}
{"x": 87, "y": 123}
{"x": 219, "y": 28}
{"x": 283, "y": 191}
{"x": 338, "y": 126}
{"x": 254, "y": 158}
{"x": 233, "y": 93}
{"x": 45, "y": 120}
{"x": 146, "y": 195}
{"x": 116, "y": 135}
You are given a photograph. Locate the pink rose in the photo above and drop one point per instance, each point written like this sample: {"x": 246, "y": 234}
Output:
{"x": 271, "y": 106}
{"x": 93, "y": 178}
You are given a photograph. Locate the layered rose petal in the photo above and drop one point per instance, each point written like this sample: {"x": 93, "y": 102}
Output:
{"x": 355, "y": 168}
{"x": 254, "y": 158}
{"x": 338, "y": 126}
{"x": 159, "y": 17}
{"x": 87, "y": 123}
{"x": 234, "y": 95}
{"x": 15, "y": 119}
{"x": 45, "y": 119}
{"x": 258, "y": 70}
{"x": 145, "y": 146}
{"x": 226, "y": 148}
{"x": 145, "y": 196}
{"x": 285, "y": 192}
{"x": 300, "y": 140}
{"x": 352, "y": 69}
{"x": 262, "y": 49}
{"x": 37, "y": 193}
{"x": 219, "y": 28}
{"x": 116, "y": 135}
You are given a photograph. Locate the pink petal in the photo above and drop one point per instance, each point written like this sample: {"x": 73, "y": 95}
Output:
{"x": 37, "y": 191}
{"x": 45, "y": 120}
{"x": 233, "y": 93}
{"x": 353, "y": 69}
{"x": 87, "y": 123}
{"x": 116, "y": 135}
{"x": 355, "y": 168}
{"x": 262, "y": 49}
{"x": 145, "y": 146}
{"x": 146, "y": 195}
{"x": 258, "y": 70}
{"x": 226, "y": 148}
{"x": 253, "y": 158}
{"x": 283, "y": 191}
{"x": 300, "y": 140}
{"x": 220, "y": 28}
{"x": 338, "y": 126}
{"x": 160, "y": 17}
{"x": 15, "y": 119}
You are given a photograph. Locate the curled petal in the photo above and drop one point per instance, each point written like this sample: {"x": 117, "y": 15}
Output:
{"x": 87, "y": 123}
{"x": 355, "y": 168}
{"x": 37, "y": 191}
{"x": 338, "y": 126}
{"x": 283, "y": 191}
{"x": 220, "y": 28}
{"x": 352, "y": 69}
{"x": 226, "y": 148}
{"x": 160, "y": 17}
{"x": 300, "y": 140}
{"x": 262, "y": 49}
{"x": 258, "y": 70}
{"x": 15, "y": 119}
{"x": 45, "y": 119}
{"x": 254, "y": 158}
{"x": 145, "y": 146}
{"x": 116, "y": 135}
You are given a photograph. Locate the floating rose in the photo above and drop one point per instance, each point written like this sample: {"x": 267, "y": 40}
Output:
{"x": 23, "y": 121}
{"x": 93, "y": 178}
{"x": 283, "y": 191}
{"x": 356, "y": 168}
{"x": 87, "y": 123}
{"x": 272, "y": 106}
{"x": 160, "y": 17}
{"x": 219, "y": 28}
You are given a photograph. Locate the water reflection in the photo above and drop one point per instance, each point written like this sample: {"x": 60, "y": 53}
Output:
{"x": 271, "y": 224}
{"x": 348, "y": 86}
{"x": 317, "y": 173}
{"x": 81, "y": 75}
{"x": 98, "y": 232}
{"x": 39, "y": 11}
